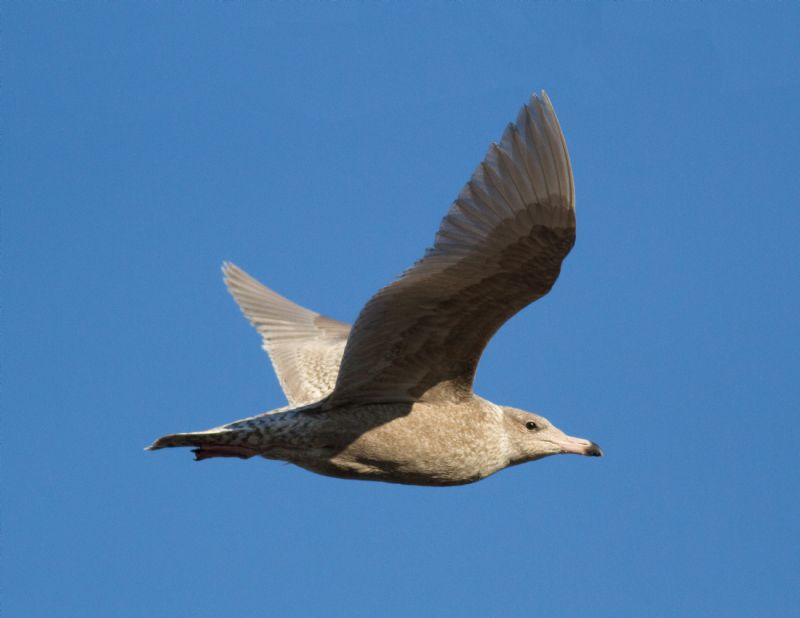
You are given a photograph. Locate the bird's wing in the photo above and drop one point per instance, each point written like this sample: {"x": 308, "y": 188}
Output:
{"x": 305, "y": 347}
{"x": 499, "y": 248}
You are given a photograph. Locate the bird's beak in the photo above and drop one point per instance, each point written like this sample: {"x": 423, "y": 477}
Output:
{"x": 579, "y": 446}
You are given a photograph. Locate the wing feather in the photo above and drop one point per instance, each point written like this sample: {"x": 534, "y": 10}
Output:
{"x": 498, "y": 249}
{"x": 305, "y": 347}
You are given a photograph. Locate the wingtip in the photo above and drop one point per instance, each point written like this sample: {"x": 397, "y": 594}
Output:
{"x": 235, "y": 279}
{"x": 233, "y": 275}
{"x": 541, "y": 100}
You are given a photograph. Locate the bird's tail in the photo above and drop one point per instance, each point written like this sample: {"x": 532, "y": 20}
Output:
{"x": 217, "y": 442}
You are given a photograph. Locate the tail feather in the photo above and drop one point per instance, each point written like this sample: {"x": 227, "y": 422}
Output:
{"x": 212, "y": 443}
{"x": 200, "y": 438}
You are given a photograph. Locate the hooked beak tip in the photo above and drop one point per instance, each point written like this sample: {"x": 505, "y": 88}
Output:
{"x": 579, "y": 446}
{"x": 594, "y": 451}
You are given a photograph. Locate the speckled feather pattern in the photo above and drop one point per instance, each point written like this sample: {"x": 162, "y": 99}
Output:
{"x": 391, "y": 399}
{"x": 464, "y": 446}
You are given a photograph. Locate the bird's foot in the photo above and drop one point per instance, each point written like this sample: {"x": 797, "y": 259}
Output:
{"x": 206, "y": 452}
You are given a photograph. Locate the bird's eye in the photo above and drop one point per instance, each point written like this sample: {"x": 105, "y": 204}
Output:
{"x": 531, "y": 425}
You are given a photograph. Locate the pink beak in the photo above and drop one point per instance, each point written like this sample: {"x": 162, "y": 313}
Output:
{"x": 579, "y": 446}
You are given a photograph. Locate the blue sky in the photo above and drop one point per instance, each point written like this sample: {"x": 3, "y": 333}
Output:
{"x": 318, "y": 146}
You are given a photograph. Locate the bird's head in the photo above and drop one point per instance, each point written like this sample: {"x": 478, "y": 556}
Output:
{"x": 532, "y": 437}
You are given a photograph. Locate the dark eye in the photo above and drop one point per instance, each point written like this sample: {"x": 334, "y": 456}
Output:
{"x": 531, "y": 425}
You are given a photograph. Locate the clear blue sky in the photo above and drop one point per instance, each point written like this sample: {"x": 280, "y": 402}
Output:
{"x": 318, "y": 147}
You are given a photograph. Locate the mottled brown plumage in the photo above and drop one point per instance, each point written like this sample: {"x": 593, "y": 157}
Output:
{"x": 392, "y": 399}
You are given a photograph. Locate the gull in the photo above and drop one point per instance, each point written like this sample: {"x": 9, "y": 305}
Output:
{"x": 391, "y": 398}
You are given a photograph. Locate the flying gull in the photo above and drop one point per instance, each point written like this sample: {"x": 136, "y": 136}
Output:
{"x": 390, "y": 398}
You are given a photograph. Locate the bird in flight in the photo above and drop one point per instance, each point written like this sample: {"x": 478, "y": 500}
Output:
{"x": 391, "y": 398}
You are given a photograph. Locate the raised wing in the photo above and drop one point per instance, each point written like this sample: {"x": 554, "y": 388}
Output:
{"x": 499, "y": 248}
{"x": 305, "y": 347}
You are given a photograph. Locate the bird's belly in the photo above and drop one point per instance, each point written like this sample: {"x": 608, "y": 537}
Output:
{"x": 415, "y": 449}
{"x": 371, "y": 470}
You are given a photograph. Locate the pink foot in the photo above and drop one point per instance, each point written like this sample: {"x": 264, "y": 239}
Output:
{"x": 206, "y": 452}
